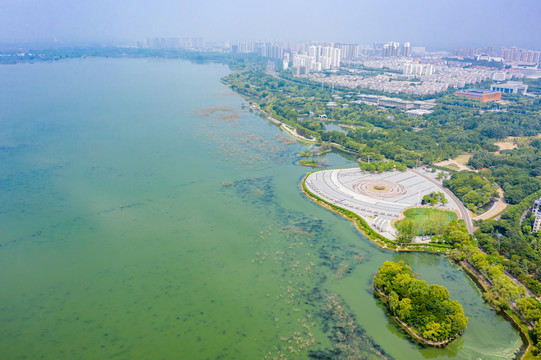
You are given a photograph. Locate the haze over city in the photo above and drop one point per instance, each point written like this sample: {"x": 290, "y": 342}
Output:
{"x": 439, "y": 25}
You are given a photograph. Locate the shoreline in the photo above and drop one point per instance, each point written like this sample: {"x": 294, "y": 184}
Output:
{"x": 383, "y": 243}
{"x": 284, "y": 126}
{"x": 366, "y": 230}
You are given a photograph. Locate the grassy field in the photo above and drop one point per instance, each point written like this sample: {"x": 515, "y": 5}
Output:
{"x": 426, "y": 221}
{"x": 463, "y": 159}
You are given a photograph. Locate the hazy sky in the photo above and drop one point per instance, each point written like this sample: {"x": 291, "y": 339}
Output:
{"x": 435, "y": 23}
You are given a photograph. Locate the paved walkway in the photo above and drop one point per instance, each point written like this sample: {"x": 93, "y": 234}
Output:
{"x": 337, "y": 187}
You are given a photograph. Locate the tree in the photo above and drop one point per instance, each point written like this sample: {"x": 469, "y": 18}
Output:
{"x": 530, "y": 308}
{"x": 427, "y": 310}
{"x": 406, "y": 231}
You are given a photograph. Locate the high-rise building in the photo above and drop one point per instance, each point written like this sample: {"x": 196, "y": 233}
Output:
{"x": 406, "y": 49}
{"x": 318, "y": 58}
{"x": 349, "y": 51}
{"x": 285, "y": 62}
{"x": 391, "y": 49}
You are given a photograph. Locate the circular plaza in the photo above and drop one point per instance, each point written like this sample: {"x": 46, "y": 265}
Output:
{"x": 377, "y": 198}
{"x": 379, "y": 188}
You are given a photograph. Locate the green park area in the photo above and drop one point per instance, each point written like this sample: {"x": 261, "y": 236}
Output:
{"x": 425, "y": 222}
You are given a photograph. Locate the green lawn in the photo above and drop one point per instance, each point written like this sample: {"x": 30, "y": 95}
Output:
{"x": 425, "y": 221}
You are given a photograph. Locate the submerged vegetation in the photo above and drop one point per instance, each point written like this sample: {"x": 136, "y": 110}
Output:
{"x": 426, "y": 310}
{"x": 309, "y": 163}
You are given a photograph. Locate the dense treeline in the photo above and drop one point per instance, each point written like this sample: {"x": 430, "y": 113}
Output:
{"x": 473, "y": 189}
{"x": 503, "y": 291}
{"x": 426, "y": 309}
{"x": 381, "y": 166}
{"x": 530, "y": 311}
{"x": 513, "y": 245}
{"x": 517, "y": 170}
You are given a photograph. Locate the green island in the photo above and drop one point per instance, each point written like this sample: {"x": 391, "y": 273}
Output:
{"x": 309, "y": 163}
{"x": 425, "y": 311}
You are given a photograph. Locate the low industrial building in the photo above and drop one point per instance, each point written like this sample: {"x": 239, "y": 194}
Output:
{"x": 395, "y": 102}
{"x": 418, "y": 112}
{"x": 480, "y": 94}
{"x": 511, "y": 87}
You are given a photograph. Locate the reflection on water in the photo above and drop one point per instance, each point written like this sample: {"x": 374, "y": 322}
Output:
{"x": 145, "y": 215}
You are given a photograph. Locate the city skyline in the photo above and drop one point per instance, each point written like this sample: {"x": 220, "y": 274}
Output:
{"x": 443, "y": 25}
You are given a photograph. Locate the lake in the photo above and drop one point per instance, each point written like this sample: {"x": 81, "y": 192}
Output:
{"x": 146, "y": 214}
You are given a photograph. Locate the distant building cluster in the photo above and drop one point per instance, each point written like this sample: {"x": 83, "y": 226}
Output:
{"x": 394, "y": 49}
{"x": 317, "y": 59}
{"x": 504, "y": 54}
{"x": 307, "y": 57}
{"x": 172, "y": 43}
{"x": 387, "y": 66}
{"x": 265, "y": 49}
{"x": 405, "y": 76}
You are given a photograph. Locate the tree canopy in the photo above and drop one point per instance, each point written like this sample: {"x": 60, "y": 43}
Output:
{"x": 426, "y": 309}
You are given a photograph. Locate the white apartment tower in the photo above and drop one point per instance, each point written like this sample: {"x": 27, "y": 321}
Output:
{"x": 407, "y": 49}
{"x": 418, "y": 69}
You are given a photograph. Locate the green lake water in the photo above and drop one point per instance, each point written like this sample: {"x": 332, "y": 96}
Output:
{"x": 146, "y": 214}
